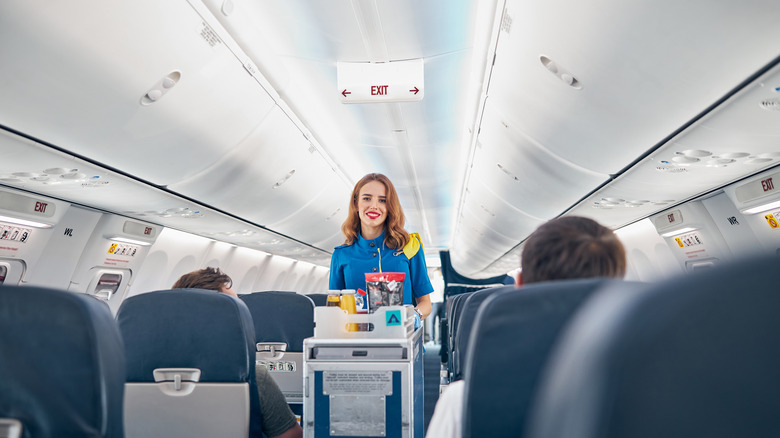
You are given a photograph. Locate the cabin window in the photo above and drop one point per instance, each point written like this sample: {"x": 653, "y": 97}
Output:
{"x": 107, "y": 286}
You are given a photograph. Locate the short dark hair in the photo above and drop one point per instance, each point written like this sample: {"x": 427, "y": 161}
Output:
{"x": 572, "y": 247}
{"x": 207, "y": 278}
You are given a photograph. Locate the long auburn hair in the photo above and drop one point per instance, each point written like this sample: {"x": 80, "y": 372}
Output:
{"x": 396, "y": 236}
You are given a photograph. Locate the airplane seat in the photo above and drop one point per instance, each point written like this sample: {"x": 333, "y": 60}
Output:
{"x": 694, "y": 355}
{"x": 282, "y": 320}
{"x": 62, "y": 365}
{"x": 453, "y": 316}
{"x": 319, "y": 299}
{"x": 190, "y": 365}
{"x": 278, "y": 316}
{"x": 467, "y": 315}
{"x": 514, "y": 331}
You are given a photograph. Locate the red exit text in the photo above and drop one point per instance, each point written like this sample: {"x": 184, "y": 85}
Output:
{"x": 767, "y": 184}
{"x": 379, "y": 90}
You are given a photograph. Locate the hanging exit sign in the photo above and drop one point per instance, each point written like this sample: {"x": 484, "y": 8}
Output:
{"x": 364, "y": 82}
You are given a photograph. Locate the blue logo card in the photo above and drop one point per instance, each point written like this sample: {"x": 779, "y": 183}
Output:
{"x": 393, "y": 317}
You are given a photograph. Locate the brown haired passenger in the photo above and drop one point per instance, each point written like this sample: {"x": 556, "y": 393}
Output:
{"x": 207, "y": 278}
{"x": 564, "y": 248}
{"x": 278, "y": 419}
{"x": 571, "y": 247}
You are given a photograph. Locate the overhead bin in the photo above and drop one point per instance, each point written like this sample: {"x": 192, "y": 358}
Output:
{"x": 277, "y": 179}
{"x": 737, "y": 139}
{"x": 36, "y": 168}
{"x": 512, "y": 170}
{"x": 95, "y": 68}
{"x": 625, "y": 104}
{"x": 525, "y": 174}
{"x": 487, "y": 229}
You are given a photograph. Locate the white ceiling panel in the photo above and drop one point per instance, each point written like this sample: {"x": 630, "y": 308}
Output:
{"x": 644, "y": 68}
{"x": 524, "y": 174}
{"x": 99, "y": 60}
{"x": 273, "y": 175}
{"x": 736, "y": 140}
{"x": 29, "y": 166}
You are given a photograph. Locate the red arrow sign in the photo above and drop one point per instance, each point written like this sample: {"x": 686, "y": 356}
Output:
{"x": 415, "y": 90}
{"x": 345, "y": 92}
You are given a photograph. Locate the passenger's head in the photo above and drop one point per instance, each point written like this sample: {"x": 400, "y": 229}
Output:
{"x": 571, "y": 247}
{"x": 207, "y": 278}
{"x": 374, "y": 203}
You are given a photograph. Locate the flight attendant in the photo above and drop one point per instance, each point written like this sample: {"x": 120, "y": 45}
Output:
{"x": 376, "y": 241}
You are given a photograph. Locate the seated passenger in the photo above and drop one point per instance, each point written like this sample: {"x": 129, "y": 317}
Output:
{"x": 568, "y": 247}
{"x": 278, "y": 419}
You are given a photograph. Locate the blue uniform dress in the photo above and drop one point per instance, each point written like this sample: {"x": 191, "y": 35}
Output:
{"x": 350, "y": 263}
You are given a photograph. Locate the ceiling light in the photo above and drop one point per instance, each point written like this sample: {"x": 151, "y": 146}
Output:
{"x": 760, "y": 208}
{"x": 25, "y": 222}
{"x": 676, "y": 232}
{"x": 131, "y": 241}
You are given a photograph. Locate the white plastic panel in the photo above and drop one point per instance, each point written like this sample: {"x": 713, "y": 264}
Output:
{"x": 526, "y": 175}
{"x": 515, "y": 184}
{"x": 644, "y": 70}
{"x": 107, "y": 285}
{"x": 110, "y": 250}
{"x": 762, "y": 213}
{"x": 497, "y": 226}
{"x": 270, "y": 177}
{"x": 736, "y": 140}
{"x": 30, "y": 166}
{"x": 648, "y": 257}
{"x": 695, "y": 237}
{"x": 154, "y": 409}
{"x": 11, "y": 271}
{"x": 62, "y": 250}
{"x": 733, "y": 226}
{"x": 30, "y": 245}
{"x": 176, "y": 253}
{"x": 91, "y": 65}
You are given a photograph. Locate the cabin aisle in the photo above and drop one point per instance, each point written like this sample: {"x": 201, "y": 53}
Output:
{"x": 431, "y": 373}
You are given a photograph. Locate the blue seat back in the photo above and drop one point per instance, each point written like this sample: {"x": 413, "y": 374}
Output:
{"x": 467, "y": 314}
{"x": 191, "y": 328}
{"x": 696, "y": 355}
{"x": 281, "y": 317}
{"x": 62, "y": 364}
{"x": 319, "y": 299}
{"x": 514, "y": 331}
{"x": 454, "y": 304}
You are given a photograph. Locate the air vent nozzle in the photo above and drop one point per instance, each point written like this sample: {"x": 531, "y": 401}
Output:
{"x": 771, "y": 104}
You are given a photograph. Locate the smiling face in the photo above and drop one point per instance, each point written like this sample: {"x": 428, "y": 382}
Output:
{"x": 372, "y": 208}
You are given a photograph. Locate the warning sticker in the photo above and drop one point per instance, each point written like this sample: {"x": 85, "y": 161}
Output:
{"x": 687, "y": 240}
{"x": 357, "y": 382}
{"x": 393, "y": 317}
{"x": 772, "y": 220}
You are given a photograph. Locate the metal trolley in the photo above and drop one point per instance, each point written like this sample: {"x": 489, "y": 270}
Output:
{"x": 363, "y": 383}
